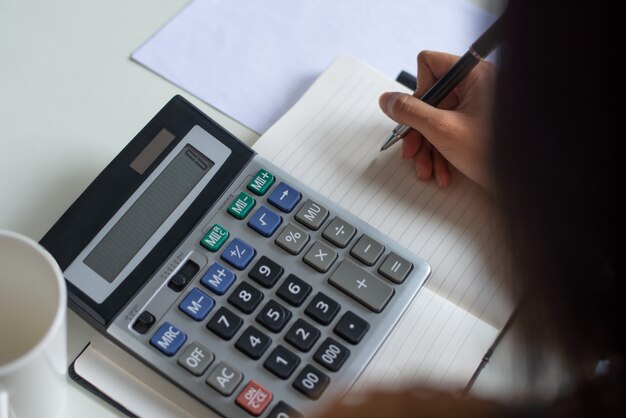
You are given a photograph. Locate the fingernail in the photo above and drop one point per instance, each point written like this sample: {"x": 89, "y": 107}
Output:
{"x": 384, "y": 100}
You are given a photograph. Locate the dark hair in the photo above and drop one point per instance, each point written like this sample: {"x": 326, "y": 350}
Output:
{"x": 559, "y": 121}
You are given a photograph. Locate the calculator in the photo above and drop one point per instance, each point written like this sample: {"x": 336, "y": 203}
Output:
{"x": 245, "y": 288}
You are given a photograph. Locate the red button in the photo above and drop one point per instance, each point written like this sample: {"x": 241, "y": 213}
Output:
{"x": 254, "y": 398}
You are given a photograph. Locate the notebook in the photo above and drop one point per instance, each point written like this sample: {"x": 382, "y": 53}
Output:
{"x": 330, "y": 139}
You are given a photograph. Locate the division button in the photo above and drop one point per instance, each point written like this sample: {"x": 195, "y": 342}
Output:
{"x": 339, "y": 232}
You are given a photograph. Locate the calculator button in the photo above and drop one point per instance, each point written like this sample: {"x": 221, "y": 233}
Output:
{"x": 293, "y": 290}
{"x": 292, "y": 239}
{"x": 320, "y": 256}
{"x": 284, "y": 197}
{"x": 312, "y": 215}
{"x": 322, "y": 308}
{"x": 351, "y": 328}
{"x": 241, "y": 206}
{"x": 238, "y": 254}
{"x": 168, "y": 339}
{"x": 218, "y": 279}
{"x": 265, "y": 222}
{"x": 224, "y": 378}
{"x": 266, "y": 272}
{"x": 282, "y": 362}
{"x": 225, "y": 323}
{"x": 261, "y": 182}
{"x": 273, "y": 316}
{"x": 367, "y": 250}
{"x": 196, "y": 358}
{"x": 245, "y": 297}
{"x": 254, "y": 398}
{"x": 361, "y": 285}
{"x": 331, "y": 354}
{"x": 197, "y": 304}
{"x": 253, "y": 343}
{"x": 183, "y": 276}
{"x": 339, "y": 232}
{"x": 215, "y": 238}
{"x": 302, "y": 335}
{"x": 143, "y": 323}
{"x": 311, "y": 382}
{"x": 284, "y": 410}
{"x": 395, "y": 268}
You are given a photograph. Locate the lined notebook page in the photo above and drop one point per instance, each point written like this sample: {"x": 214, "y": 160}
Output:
{"x": 330, "y": 140}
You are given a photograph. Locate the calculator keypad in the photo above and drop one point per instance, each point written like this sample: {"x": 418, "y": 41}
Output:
{"x": 286, "y": 285}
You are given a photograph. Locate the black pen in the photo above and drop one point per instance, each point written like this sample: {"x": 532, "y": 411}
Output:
{"x": 479, "y": 50}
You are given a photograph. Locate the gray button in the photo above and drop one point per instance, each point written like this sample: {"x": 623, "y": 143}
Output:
{"x": 224, "y": 378}
{"x": 320, "y": 256}
{"x": 292, "y": 239}
{"x": 312, "y": 215}
{"x": 339, "y": 232}
{"x": 196, "y": 358}
{"x": 367, "y": 250}
{"x": 361, "y": 285}
{"x": 395, "y": 268}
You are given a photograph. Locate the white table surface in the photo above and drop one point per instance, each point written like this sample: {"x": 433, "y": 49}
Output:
{"x": 70, "y": 100}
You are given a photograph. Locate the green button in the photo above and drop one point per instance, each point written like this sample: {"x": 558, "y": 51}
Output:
{"x": 241, "y": 206}
{"x": 215, "y": 238}
{"x": 261, "y": 182}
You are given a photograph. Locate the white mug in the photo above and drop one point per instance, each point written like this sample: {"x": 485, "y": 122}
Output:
{"x": 33, "y": 335}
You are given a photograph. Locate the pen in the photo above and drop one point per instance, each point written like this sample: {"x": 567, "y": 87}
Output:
{"x": 478, "y": 51}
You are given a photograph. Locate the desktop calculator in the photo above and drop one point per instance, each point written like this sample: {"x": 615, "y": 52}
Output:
{"x": 251, "y": 292}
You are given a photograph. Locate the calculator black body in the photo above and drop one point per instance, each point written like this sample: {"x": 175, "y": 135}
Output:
{"x": 130, "y": 274}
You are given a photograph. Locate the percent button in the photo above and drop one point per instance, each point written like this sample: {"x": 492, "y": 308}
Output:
{"x": 292, "y": 239}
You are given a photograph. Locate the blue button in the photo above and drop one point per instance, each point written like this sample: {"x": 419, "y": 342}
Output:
{"x": 265, "y": 222}
{"x": 197, "y": 304}
{"x": 238, "y": 254}
{"x": 284, "y": 197}
{"x": 218, "y": 278}
{"x": 168, "y": 339}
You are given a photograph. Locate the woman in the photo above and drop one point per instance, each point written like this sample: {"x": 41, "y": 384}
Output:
{"x": 547, "y": 145}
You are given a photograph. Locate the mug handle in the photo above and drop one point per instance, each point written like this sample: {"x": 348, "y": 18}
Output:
{"x": 5, "y": 406}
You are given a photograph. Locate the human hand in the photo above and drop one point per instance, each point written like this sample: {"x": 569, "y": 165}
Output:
{"x": 458, "y": 131}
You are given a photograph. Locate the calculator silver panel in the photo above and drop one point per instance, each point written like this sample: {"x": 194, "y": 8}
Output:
{"x": 162, "y": 302}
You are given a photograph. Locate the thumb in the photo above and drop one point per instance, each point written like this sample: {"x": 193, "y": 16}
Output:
{"x": 411, "y": 111}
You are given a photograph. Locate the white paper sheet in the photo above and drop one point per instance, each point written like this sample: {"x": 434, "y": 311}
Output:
{"x": 252, "y": 60}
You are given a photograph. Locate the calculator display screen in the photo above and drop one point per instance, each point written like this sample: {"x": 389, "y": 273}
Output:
{"x": 148, "y": 212}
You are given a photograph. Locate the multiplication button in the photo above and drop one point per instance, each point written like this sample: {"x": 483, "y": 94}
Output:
{"x": 320, "y": 256}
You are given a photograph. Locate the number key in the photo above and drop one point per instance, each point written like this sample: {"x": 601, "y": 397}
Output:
{"x": 253, "y": 343}
{"x": 273, "y": 316}
{"x": 281, "y": 362}
{"x": 266, "y": 272}
{"x": 322, "y": 308}
{"x": 224, "y": 323}
{"x": 331, "y": 354}
{"x": 302, "y": 335}
{"x": 294, "y": 290}
{"x": 311, "y": 382}
{"x": 245, "y": 297}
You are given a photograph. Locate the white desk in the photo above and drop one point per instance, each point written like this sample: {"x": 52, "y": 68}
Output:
{"x": 70, "y": 99}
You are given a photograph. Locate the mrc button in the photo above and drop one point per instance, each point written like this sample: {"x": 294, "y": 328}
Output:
{"x": 168, "y": 339}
